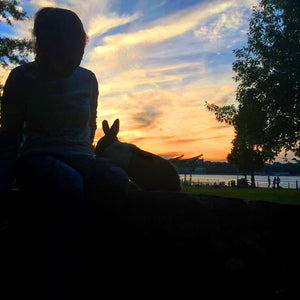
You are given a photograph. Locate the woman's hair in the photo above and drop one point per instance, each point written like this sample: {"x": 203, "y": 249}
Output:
{"x": 60, "y": 40}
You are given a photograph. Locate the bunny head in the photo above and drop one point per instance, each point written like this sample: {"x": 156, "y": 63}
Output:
{"x": 109, "y": 138}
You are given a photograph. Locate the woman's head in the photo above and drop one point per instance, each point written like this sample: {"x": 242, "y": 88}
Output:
{"x": 59, "y": 40}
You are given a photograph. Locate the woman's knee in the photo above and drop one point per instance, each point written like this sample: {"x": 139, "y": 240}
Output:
{"x": 118, "y": 178}
{"x": 40, "y": 172}
{"x": 108, "y": 178}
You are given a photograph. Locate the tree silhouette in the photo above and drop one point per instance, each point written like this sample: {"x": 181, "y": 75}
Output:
{"x": 13, "y": 51}
{"x": 270, "y": 65}
{"x": 267, "y": 119}
{"x": 249, "y": 151}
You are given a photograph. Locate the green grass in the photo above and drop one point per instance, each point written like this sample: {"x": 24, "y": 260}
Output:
{"x": 287, "y": 196}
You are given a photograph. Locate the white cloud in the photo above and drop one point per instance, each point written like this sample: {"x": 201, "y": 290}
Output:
{"x": 119, "y": 52}
{"x": 44, "y": 3}
{"x": 233, "y": 19}
{"x": 86, "y": 10}
{"x": 127, "y": 81}
{"x": 101, "y": 23}
{"x": 164, "y": 28}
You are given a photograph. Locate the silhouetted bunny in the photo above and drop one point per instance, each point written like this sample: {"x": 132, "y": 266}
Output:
{"x": 147, "y": 170}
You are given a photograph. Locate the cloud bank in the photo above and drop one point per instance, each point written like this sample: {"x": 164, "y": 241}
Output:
{"x": 155, "y": 73}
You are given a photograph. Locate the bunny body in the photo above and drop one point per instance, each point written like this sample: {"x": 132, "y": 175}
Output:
{"x": 147, "y": 170}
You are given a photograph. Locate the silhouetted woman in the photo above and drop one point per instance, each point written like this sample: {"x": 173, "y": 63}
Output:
{"x": 48, "y": 124}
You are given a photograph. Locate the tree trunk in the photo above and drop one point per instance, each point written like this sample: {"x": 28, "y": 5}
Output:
{"x": 252, "y": 180}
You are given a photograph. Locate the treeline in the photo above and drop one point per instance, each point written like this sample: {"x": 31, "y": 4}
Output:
{"x": 219, "y": 168}
{"x": 224, "y": 168}
{"x": 292, "y": 169}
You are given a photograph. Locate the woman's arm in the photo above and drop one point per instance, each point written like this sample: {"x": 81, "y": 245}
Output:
{"x": 94, "y": 104}
{"x": 12, "y": 122}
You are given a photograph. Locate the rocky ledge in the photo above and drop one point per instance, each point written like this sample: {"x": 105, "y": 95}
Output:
{"x": 171, "y": 244}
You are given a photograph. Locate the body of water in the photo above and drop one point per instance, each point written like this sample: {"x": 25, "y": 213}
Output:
{"x": 261, "y": 181}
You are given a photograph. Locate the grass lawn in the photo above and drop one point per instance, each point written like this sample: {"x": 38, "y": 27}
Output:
{"x": 287, "y": 196}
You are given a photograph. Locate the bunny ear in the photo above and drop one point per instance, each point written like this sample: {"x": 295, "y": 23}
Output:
{"x": 105, "y": 127}
{"x": 115, "y": 127}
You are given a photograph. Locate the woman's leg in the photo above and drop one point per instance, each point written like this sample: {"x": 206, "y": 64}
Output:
{"x": 53, "y": 208}
{"x": 103, "y": 181}
{"x": 105, "y": 187}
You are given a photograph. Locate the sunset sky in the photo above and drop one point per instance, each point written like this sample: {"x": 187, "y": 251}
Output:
{"x": 157, "y": 62}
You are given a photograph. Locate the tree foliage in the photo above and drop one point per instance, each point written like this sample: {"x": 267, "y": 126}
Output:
{"x": 225, "y": 114}
{"x": 249, "y": 151}
{"x": 267, "y": 119}
{"x": 11, "y": 9}
{"x": 13, "y": 51}
{"x": 270, "y": 66}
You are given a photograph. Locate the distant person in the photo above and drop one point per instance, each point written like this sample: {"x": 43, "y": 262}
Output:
{"x": 52, "y": 102}
{"x": 269, "y": 181}
{"x": 278, "y": 182}
{"x": 274, "y": 182}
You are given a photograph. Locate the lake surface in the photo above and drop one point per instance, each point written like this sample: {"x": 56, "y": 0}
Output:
{"x": 261, "y": 181}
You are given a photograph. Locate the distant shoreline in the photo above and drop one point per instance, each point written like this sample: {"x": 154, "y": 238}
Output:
{"x": 241, "y": 175}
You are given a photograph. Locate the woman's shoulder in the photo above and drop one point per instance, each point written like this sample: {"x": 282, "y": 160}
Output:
{"x": 27, "y": 70}
{"x": 19, "y": 74}
{"x": 85, "y": 73}
{"x": 30, "y": 70}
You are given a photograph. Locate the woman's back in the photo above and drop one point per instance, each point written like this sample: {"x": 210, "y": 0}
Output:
{"x": 51, "y": 102}
{"x": 59, "y": 113}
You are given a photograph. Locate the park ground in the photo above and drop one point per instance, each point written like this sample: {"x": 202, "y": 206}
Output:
{"x": 285, "y": 196}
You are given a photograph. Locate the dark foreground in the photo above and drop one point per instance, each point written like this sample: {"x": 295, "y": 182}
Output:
{"x": 164, "y": 244}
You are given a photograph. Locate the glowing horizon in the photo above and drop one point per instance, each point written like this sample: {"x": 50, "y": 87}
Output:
{"x": 157, "y": 62}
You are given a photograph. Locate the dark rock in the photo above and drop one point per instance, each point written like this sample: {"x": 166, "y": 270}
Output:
{"x": 178, "y": 244}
